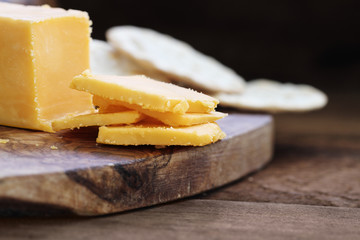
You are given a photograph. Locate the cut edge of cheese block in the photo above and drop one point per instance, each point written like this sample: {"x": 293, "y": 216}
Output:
{"x": 152, "y": 134}
{"x": 97, "y": 119}
{"x": 148, "y": 93}
{"x": 37, "y": 13}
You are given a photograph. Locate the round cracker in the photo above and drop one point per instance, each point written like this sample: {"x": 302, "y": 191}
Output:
{"x": 177, "y": 60}
{"x": 271, "y": 96}
{"x": 104, "y": 59}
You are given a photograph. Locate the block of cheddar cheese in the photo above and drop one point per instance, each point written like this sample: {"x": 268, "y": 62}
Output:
{"x": 145, "y": 92}
{"x": 97, "y": 119}
{"x": 168, "y": 118}
{"x": 155, "y": 134}
{"x": 41, "y": 50}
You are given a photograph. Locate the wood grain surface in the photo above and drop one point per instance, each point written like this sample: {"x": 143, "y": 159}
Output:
{"x": 198, "y": 219}
{"x": 316, "y": 160}
{"x": 317, "y": 170}
{"x": 85, "y": 178}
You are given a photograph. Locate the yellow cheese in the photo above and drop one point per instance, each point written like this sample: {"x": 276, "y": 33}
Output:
{"x": 176, "y": 120}
{"x": 97, "y": 119}
{"x": 171, "y": 119}
{"x": 2, "y": 140}
{"x": 186, "y": 119}
{"x": 41, "y": 50}
{"x": 54, "y": 147}
{"x": 145, "y": 92}
{"x": 198, "y": 102}
{"x": 151, "y": 134}
{"x": 107, "y": 106}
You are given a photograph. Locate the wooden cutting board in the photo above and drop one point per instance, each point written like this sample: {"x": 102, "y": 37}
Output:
{"x": 86, "y": 178}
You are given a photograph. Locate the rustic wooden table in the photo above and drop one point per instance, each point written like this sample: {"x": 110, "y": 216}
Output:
{"x": 310, "y": 190}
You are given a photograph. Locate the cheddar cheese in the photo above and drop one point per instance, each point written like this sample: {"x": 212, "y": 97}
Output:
{"x": 145, "y": 92}
{"x": 168, "y": 118}
{"x": 153, "y": 134}
{"x": 97, "y": 119}
{"x": 41, "y": 50}
{"x": 107, "y": 106}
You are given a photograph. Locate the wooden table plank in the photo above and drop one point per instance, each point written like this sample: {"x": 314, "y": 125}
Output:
{"x": 316, "y": 161}
{"x": 198, "y": 219}
{"x": 313, "y": 170}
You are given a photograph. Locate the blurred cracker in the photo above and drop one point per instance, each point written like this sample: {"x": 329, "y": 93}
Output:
{"x": 270, "y": 96}
{"x": 177, "y": 61}
{"x": 104, "y": 59}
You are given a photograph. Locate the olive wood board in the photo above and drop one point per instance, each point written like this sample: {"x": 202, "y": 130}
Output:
{"x": 68, "y": 173}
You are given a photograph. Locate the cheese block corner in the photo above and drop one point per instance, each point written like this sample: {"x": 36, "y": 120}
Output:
{"x": 42, "y": 49}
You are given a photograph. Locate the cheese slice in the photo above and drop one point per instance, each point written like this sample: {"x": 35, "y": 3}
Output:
{"x": 97, "y": 119}
{"x": 3, "y": 141}
{"x": 107, "y": 106}
{"x": 186, "y": 119}
{"x": 152, "y": 134}
{"x": 42, "y": 49}
{"x": 198, "y": 102}
{"x": 145, "y": 92}
{"x": 168, "y": 118}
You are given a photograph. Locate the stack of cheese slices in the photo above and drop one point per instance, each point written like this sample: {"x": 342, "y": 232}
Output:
{"x": 136, "y": 110}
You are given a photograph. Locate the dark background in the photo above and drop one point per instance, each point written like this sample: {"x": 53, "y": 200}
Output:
{"x": 315, "y": 42}
{"x": 311, "y": 41}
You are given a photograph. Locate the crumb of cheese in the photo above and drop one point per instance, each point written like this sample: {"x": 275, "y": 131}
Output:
{"x": 54, "y": 147}
{"x": 4, "y": 140}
